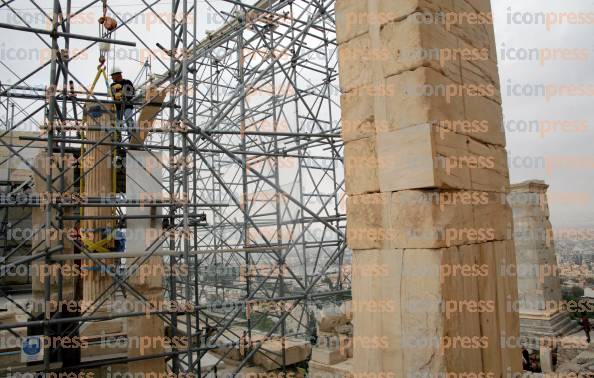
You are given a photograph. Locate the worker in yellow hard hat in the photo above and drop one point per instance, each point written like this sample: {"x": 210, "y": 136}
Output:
{"x": 123, "y": 92}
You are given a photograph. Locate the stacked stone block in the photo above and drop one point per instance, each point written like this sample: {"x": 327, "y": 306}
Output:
{"x": 334, "y": 332}
{"x": 534, "y": 247}
{"x": 426, "y": 174}
{"x": 142, "y": 181}
{"x": 44, "y": 238}
{"x": 539, "y": 286}
{"x": 97, "y": 182}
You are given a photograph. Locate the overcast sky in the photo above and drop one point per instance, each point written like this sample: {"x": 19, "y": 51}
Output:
{"x": 568, "y": 153}
{"x": 562, "y": 157}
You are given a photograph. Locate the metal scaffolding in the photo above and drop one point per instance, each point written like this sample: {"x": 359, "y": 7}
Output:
{"x": 253, "y": 191}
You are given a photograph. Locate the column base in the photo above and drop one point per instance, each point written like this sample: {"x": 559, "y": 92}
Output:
{"x": 535, "y": 327}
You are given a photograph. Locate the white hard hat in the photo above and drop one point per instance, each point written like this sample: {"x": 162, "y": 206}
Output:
{"x": 115, "y": 70}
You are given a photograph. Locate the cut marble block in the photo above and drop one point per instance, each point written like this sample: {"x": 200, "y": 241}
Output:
{"x": 353, "y": 16}
{"x": 367, "y": 292}
{"x": 346, "y": 346}
{"x": 534, "y": 233}
{"x": 404, "y": 45}
{"x": 149, "y": 275}
{"x": 140, "y": 330}
{"x": 479, "y": 34}
{"x": 16, "y": 166}
{"x": 13, "y": 138}
{"x": 102, "y": 327}
{"x": 143, "y": 175}
{"x": 39, "y": 271}
{"x": 421, "y": 219}
{"x": 365, "y": 220}
{"x": 397, "y": 311}
{"x": 427, "y": 96}
{"x": 148, "y": 114}
{"x": 482, "y": 74}
{"x": 538, "y": 293}
{"x": 409, "y": 44}
{"x": 361, "y": 166}
{"x": 484, "y": 121}
{"x": 425, "y": 100}
{"x": 340, "y": 370}
{"x": 494, "y": 215}
{"x": 538, "y": 277}
{"x": 462, "y": 304}
{"x": 141, "y": 234}
{"x": 421, "y": 156}
{"x": 270, "y": 355}
{"x": 420, "y": 97}
{"x": 353, "y": 55}
{"x": 546, "y": 359}
{"x": 358, "y": 120}
{"x": 529, "y": 199}
{"x": 496, "y": 255}
{"x": 399, "y": 9}
{"x": 426, "y": 219}
{"x": 327, "y": 356}
{"x": 417, "y": 157}
{"x": 491, "y": 172}
{"x": 437, "y": 219}
{"x": 418, "y": 310}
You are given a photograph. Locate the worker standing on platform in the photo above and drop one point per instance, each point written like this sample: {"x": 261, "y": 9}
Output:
{"x": 123, "y": 92}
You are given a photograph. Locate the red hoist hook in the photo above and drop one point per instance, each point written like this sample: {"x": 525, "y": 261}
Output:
{"x": 108, "y": 23}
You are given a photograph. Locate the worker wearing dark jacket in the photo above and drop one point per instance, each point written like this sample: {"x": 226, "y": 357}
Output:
{"x": 123, "y": 92}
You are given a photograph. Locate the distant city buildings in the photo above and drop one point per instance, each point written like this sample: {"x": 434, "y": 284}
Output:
{"x": 576, "y": 266}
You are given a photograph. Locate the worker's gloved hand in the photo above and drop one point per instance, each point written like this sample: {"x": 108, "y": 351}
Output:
{"x": 117, "y": 91}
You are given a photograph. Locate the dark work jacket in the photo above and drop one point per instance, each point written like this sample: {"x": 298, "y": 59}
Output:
{"x": 126, "y": 89}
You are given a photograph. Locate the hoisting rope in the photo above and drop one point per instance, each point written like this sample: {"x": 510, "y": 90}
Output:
{"x": 106, "y": 25}
{"x": 100, "y": 72}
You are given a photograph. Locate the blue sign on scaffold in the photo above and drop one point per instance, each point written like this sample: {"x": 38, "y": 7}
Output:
{"x": 31, "y": 349}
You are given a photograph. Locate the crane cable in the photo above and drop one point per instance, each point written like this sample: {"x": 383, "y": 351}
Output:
{"x": 106, "y": 26}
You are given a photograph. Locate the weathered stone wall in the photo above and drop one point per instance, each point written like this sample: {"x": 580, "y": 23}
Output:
{"x": 143, "y": 175}
{"x": 97, "y": 182}
{"x": 538, "y": 280}
{"x": 44, "y": 238}
{"x": 14, "y": 170}
{"x": 427, "y": 176}
{"x": 542, "y": 318}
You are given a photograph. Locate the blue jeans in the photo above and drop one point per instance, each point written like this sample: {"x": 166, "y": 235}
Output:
{"x": 128, "y": 118}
